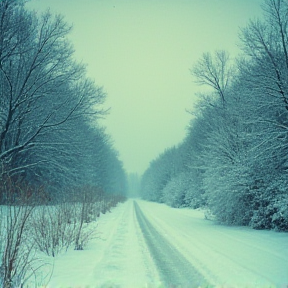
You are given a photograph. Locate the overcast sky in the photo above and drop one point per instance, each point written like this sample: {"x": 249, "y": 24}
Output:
{"x": 141, "y": 51}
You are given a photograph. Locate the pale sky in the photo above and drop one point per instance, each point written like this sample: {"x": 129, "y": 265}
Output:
{"x": 141, "y": 51}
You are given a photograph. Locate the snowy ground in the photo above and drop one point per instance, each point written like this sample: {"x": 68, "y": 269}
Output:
{"x": 144, "y": 244}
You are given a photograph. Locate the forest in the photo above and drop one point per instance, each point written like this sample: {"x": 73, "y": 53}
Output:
{"x": 48, "y": 106}
{"x": 234, "y": 159}
{"x": 58, "y": 167}
{"x": 59, "y": 170}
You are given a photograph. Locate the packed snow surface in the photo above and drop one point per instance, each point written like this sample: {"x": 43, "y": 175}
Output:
{"x": 145, "y": 244}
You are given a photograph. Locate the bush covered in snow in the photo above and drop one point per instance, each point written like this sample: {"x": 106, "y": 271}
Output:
{"x": 270, "y": 207}
{"x": 174, "y": 192}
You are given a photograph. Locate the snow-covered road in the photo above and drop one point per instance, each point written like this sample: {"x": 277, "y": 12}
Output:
{"x": 173, "y": 267}
{"x": 144, "y": 244}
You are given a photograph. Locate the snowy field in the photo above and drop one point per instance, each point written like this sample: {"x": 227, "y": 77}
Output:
{"x": 144, "y": 244}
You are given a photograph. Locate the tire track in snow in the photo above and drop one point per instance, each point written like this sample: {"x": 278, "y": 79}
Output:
{"x": 123, "y": 262}
{"x": 174, "y": 269}
{"x": 223, "y": 255}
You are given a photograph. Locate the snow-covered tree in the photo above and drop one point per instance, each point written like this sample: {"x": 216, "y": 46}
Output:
{"x": 158, "y": 175}
{"x": 48, "y": 106}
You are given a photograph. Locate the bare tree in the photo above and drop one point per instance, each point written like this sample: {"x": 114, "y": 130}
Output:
{"x": 42, "y": 87}
{"x": 215, "y": 72}
{"x": 266, "y": 42}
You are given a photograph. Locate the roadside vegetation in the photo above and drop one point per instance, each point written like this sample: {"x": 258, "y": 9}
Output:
{"x": 234, "y": 159}
{"x": 33, "y": 228}
{"x": 58, "y": 168}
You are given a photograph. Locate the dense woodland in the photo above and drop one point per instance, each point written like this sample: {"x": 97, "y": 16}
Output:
{"x": 234, "y": 159}
{"x": 58, "y": 168}
{"x": 49, "y": 109}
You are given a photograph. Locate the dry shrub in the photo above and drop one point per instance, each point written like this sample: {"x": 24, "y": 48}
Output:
{"x": 18, "y": 260}
{"x": 53, "y": 230}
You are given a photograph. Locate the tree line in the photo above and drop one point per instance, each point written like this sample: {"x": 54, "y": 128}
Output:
{"x": 49, "y": 130}
{"x": 58, "y": 169}
{"x": 234, "y": 159}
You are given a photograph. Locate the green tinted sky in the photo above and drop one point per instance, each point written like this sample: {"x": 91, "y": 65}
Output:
{"x": 141, "y": 52}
